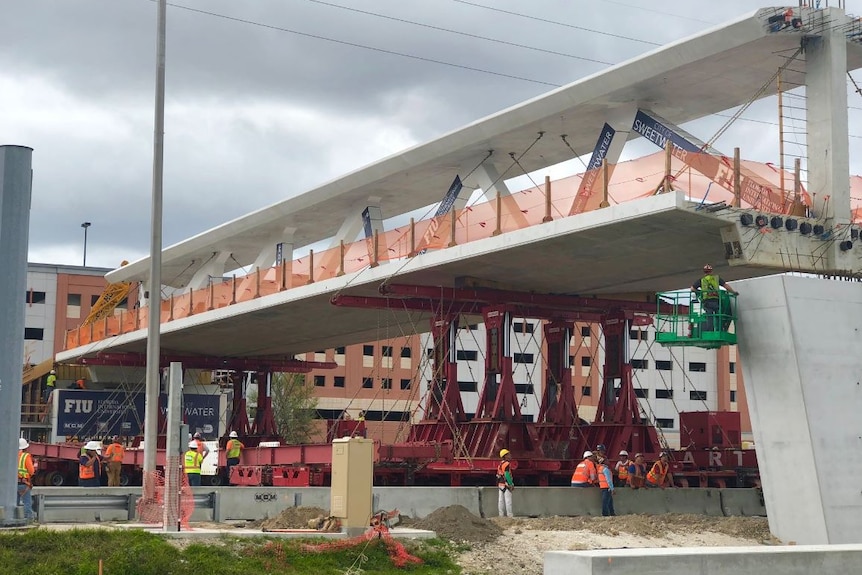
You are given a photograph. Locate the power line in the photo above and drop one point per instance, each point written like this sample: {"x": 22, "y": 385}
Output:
{"x": 554, "y": 22}
{"x": 457, "y": 32}
{"x": 659, "y": 12}
{"x": 363, "y": 46}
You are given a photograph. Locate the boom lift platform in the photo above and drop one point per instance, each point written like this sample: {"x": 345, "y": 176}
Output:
{"x": 689, "y": 324}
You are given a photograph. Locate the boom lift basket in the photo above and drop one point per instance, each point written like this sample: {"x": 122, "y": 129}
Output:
{"x": 690, "y": 324}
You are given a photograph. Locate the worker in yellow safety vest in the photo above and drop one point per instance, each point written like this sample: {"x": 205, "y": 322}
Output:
{"x": 26, "y": 470}
{"x": 192, "y": 461}
{"x": 234, "y": 449}
{"x": 659, "y": 475}
{"x": 707, "y": 289}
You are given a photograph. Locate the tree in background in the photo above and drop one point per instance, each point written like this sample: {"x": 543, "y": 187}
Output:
{"x": 294, "y": 406}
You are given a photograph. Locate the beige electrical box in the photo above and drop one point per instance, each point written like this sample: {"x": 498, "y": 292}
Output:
{"x": 352, "y": 480}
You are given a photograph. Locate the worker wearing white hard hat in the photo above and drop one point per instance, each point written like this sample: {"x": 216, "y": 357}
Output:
{"x": 586, "y": 474}
{"x": 621, "y": 469}
{"x": 192, "y": 461}
{"x": 26, "y": 469}
{"x": 90, "y": 465}
{"x": 234, "y": 449}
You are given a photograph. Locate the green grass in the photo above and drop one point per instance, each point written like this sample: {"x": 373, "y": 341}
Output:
{"x": 77, "y": 552}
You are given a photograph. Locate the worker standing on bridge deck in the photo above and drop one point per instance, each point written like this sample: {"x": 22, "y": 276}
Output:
{"x": 192, "y": 461}
{"x": 234, "y": 449}
{"x": 505, "y": 484}
{"x": 586, "y": 474}
{"x": 26, "y": 469}
{"x": 114, "y": 454}
{"x": 708, "y": 288}
{"x": 659, "y": 475}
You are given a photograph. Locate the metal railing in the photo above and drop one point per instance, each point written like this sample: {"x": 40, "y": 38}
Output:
{"x": 71, "y": 501}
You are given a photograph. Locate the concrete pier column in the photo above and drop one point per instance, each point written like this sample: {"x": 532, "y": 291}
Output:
{"x": 828, "y": 135}
{"x": 15, "y": 181}
{"x": 800, "y": 344}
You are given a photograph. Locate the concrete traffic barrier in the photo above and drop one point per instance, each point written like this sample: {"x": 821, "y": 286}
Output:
{"x": 790, "y": 560}
{"x": 545, "y": 501}
{"x": 746, "y": 502}
{"x": 676, "y": 500}
{"x": 418, "y": 502}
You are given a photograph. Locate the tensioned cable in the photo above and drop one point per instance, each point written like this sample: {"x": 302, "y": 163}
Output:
{"x": 362, "y": 46}
{"x": 457, "y": 32}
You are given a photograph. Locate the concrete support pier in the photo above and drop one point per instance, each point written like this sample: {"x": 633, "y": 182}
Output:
{"x": 800, "y": 344}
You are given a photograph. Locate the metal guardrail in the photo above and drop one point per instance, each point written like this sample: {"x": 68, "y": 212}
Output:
{"x": 45, "y": 503}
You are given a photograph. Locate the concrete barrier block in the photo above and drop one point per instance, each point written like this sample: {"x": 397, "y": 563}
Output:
{"x": 418, "y": 502}
{"x": 746, "y": 502}
{"x": 794, "y": 560}
{"x": 545, "y": 501}
{"x": 657, "y": 501}
{"x": 253, "y": 503}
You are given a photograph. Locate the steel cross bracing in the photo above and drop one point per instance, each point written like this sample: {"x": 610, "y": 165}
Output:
{"x": 559, "y": 436}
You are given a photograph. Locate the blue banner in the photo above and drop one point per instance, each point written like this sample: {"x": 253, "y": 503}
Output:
{"x": 279, "y": 253}
{"x": 659, "y": 134}
{"x": 366, "y": 223}
{"x": 600, "y": 152}
{"x": 450, "y": 197}
{"x": 88, "y": 414}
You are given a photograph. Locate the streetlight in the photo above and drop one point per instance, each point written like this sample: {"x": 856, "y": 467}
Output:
{"x": 85, "y": 225}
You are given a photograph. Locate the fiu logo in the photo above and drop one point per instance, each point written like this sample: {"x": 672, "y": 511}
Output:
{"x": 78, "y": 406}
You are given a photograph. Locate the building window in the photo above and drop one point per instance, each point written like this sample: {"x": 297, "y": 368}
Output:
{"x": 386, "y": 351}
{"x": 571, "y": 361}
{"x": 339, "y": 351}
{"x": 664, "y": 423}
{"x": 73, "y": 299}
{"x": 586, "y": 361}
{"x": 468, "y": 386}
{"x": 695, "y": 395}
{"x": 319, "y": 380}
{"x": 639, "y": 335}
{"x": 586, "y": 390}
{"x": 640, "y": 364}
{"x": 406, "y": 383}
{"x": 522, "y": 358}
{"x": 429, "y": 353}
{"x": 732, "y": 367}
{"x": 697, "y": 366}
{"x": 467, "y": 355}
{"x": 585, "y": 331}
{"x": 94, "y": 299}
{"x": 406, "y": 352}
{"x": 386, "y": 383}
{"x": 641, "y": 393}
{"x": 34, "y": 333}
{"x": 664, "y": 394}
{"x": 732, "y": 395}
{"x": 470, "y": 326}
{"x": 368, "y": 350}
{"x": 35, "y": 297}
{"x": 524, "y": 388}
{"x": 338, "y": 381}
{"x": 367, "y": 382}
{"x": 663, "y": 365}
{"x": 320, "y": 352}
{"x": 523, "y": 327}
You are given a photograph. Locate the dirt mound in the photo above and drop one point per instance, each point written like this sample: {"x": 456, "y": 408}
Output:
{"x": 456, "y": 523}
{"x": 293, "y": 518}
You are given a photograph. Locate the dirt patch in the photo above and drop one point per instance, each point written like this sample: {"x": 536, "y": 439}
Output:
{"x": 291, "y": 518}
{"x": 456, "y": 523}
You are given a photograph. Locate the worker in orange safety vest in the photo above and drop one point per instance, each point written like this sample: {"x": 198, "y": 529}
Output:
{"x": 26, "y": 470}
{"x": 586, "y": 473}
{"x": 505, "y": 484}
{"x": 637, "y": 472}
{"x": 659, "y": 475}
{"x": 114, "y": 455}
{"x": 621, "y": 469}
{"x": 606, "y": 484}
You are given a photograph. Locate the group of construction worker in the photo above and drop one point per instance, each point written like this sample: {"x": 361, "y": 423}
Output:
{"x": 594, "y": 471}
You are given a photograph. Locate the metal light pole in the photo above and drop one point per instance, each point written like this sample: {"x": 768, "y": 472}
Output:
{"x": 151, "y": 416}
{"x": 85, "y": 225}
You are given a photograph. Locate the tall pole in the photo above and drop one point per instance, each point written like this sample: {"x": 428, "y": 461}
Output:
{"x": 15, "y": 179}
{"x": 151, "y": 417}
{"x": 85, "y": 225}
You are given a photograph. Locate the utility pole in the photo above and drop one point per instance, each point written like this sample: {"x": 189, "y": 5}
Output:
{"x": 154, "y": 302}
{"x": 85, "y": 225}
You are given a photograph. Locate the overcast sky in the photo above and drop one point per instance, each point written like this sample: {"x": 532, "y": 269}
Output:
{"x": 257, "y": 113}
